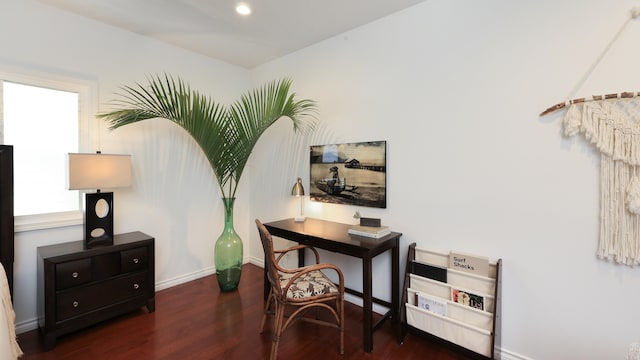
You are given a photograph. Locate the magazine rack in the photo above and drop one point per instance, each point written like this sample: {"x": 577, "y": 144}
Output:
{"x": 467, "y": 329}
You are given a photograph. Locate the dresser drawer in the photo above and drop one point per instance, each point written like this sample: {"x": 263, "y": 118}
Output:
{"x": 77, "y": 301}
{"x": 134, "y": 259}
{"x": 73, "y": 273}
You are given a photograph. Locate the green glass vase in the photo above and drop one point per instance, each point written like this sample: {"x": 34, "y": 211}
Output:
{"x": 228, "y": 251}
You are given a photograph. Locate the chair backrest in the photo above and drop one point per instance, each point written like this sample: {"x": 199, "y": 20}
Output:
{"x": 269, "y": 257}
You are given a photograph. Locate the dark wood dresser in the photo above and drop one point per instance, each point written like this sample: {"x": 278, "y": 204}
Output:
{"x": 80, "y": 287}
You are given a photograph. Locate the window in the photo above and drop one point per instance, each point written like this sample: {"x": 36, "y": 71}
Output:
{"x": 44, "y": 120}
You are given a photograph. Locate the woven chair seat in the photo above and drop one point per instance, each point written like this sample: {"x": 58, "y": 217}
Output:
{"x": 314, "y": 283}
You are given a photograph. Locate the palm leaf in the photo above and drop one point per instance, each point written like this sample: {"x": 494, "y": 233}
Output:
{"x": 226, "y": 135}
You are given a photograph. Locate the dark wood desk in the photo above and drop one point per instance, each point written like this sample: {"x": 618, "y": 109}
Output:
{"x": 333, "y": 236}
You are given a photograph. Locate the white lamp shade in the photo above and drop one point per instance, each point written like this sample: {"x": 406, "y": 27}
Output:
{"x": 98, "y": 171}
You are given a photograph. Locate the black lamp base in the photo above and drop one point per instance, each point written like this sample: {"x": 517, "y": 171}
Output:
{"x": 98, "y": 219}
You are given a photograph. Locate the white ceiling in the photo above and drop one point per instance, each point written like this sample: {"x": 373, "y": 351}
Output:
{"x": 212, "y": 27}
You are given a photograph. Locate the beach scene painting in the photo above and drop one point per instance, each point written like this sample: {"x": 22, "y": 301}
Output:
{"x": 349, "y": 173}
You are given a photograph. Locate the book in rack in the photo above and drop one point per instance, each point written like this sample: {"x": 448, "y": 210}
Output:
{"x": 369, "y": 231}
{"x": 434, "y": 272}
{"x": 467, "y": 298}
{"x": 431, "y": 303}
{"x": 474, "y": 264}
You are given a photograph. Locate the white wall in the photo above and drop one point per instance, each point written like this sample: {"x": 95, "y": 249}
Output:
{"x": 455, "y": 87}
{"x": 174, "y": 196}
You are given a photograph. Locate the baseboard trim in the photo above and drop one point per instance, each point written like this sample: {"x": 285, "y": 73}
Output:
{"x": 509, "y": 355}
{"x": 27, "y": 325}
{"x": 256, "y": 261}
{"x": 165, "y": 284}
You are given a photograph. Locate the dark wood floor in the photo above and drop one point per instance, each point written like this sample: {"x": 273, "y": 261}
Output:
{"x": 196, "y": 321}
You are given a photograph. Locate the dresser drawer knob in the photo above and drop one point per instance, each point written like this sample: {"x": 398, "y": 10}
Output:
{"x": 135, "y": 260}
{"x": 75, "y": 274}
{"x": 136, "y": 286}
{"x": 75, "y": 304}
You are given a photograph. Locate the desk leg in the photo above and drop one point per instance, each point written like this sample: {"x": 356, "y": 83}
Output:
{"x": 300, "y": 257}
{"x": 395, "y": 289}
{"x": 367, "y": 309}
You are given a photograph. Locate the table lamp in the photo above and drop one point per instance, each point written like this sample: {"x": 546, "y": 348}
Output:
{"x": 298, "y": 190}
{"x": 98, "y": 171}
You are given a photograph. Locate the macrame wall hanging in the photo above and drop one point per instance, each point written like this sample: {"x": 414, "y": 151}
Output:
{"x": 612, "y": 124}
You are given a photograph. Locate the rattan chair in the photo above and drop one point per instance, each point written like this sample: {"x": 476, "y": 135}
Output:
{"x": 299, "y": 290}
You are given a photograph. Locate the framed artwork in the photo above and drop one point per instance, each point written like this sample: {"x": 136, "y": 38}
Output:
{"x": 350, "y": 173}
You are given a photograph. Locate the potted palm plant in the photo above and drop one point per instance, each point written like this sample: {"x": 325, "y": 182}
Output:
{"x": 226, "y": 135}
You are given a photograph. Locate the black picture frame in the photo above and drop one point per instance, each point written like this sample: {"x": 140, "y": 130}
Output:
{"x": 349, "y": 173}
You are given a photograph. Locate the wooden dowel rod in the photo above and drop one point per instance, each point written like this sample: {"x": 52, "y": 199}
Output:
{"x": 558, "y": 106}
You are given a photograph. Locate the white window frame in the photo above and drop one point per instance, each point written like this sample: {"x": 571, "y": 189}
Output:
{"x": 88, "y": 95}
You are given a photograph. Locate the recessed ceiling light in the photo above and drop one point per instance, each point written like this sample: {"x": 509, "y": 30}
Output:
{"x": 243, "y": 9}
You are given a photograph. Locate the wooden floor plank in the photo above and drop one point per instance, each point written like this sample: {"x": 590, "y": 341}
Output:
{"x": 196, "y": 321}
